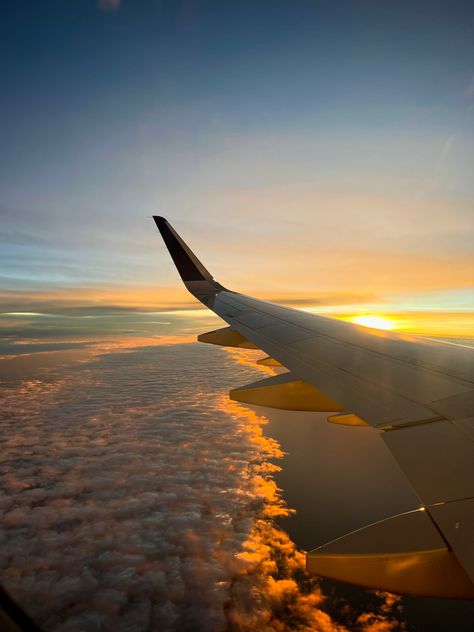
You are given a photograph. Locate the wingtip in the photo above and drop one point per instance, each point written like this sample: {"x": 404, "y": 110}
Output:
{"x": 159, "y": 220}
{"x": 188, "y": 265}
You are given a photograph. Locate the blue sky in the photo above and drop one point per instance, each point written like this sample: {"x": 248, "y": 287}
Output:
{"x": 305, "y": 148}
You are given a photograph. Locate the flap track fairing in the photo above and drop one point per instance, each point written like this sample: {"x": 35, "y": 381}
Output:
{"x": 269, "y": 362}
{"x": 347, "y": 419}
{"x": 226, "y": 337}
{"x": 286, "y": 392}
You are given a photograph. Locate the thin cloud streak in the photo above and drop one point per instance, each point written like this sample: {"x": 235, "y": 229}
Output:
{"x": 109, "y": 301}
{"x": 109, "y": 5}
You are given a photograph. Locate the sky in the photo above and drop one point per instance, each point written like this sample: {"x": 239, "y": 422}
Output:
{"x": 316, "y": 153}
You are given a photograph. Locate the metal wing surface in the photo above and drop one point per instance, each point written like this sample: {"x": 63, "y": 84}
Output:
{"x": 418, "y": 394}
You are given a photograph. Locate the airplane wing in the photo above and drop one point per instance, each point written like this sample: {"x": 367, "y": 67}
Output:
{"x": 418, "y": 394}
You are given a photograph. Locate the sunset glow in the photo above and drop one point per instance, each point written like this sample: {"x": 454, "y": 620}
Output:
{"x": 294, "y": 178}
{"x": 311, "y": 193}
{"x": 374, "y": 321}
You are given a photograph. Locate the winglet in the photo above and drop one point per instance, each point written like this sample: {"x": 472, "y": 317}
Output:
{"x": 195, "y": 277}
{"x": 188, "y": 265}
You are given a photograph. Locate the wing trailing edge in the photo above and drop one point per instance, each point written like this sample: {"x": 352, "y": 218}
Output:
{"x": 404, "y": 554}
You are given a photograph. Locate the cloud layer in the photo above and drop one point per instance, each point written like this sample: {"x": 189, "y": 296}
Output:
{"x": 136, "y": 497}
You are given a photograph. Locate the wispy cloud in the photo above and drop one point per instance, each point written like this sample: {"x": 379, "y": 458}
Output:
{"x": 470, "y": 88}
{"x": 109, "y": 5}
{"x": 103, "y": 301}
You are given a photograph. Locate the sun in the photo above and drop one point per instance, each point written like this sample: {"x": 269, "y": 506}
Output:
{"x": 376, "y": 322}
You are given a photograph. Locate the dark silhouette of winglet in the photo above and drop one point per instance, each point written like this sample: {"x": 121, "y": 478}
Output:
{"x": 188, "y": 265}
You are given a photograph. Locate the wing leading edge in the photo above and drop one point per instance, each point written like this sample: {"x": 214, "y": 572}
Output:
{"x": 417, "y": 393}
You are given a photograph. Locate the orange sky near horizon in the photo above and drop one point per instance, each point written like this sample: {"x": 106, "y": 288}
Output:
{"x": 88, "y": 302}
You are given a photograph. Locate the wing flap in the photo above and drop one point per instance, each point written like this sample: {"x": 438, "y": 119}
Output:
{"x": 456, "y": 522}
{"x": 437, "y": 458}
{"x": 404, "y": 554}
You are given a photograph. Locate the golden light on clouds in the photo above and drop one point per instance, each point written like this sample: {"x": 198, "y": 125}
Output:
{"x": 269, "y": 555}
{"x": 84, "y": 299}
